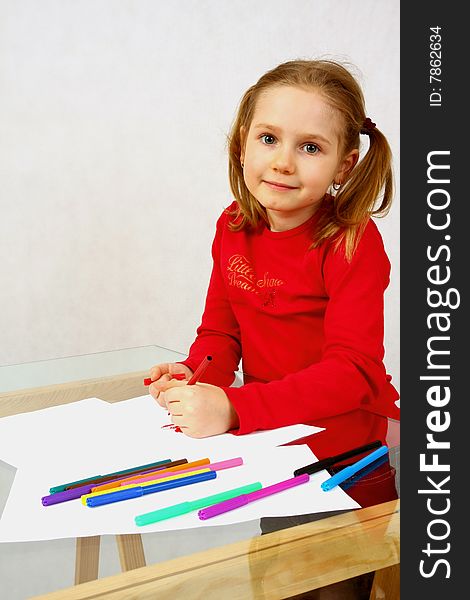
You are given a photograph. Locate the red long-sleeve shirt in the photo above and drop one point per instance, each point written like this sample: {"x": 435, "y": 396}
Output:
{"x": 308, "y": 326}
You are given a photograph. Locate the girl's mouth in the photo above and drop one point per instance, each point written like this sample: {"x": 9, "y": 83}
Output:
{"x": 281, "y": 187}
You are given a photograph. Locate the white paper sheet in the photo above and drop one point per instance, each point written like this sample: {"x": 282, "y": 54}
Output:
{"x": 92, "y": 437}
{"x": 26, "y": 435}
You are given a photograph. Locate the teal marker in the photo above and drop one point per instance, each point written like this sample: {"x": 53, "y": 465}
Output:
{"x": 97, "y": 478}
{"x": 185, "y": 507}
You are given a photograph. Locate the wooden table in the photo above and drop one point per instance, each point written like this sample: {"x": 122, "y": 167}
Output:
{"x": 273, "y": 566}
{"x": 276, "y": 565}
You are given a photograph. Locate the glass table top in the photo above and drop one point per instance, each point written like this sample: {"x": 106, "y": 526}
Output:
{"x": 87, "y": 366}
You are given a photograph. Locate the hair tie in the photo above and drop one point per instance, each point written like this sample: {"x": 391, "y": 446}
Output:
{"x": 367, "y": 126}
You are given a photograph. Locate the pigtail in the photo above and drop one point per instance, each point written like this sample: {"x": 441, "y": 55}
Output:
{"x": 367, "y": 192}
{"x": 372, "y": 180}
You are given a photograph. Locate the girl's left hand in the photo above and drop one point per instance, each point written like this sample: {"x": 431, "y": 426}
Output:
{"x": 200, "y": 410}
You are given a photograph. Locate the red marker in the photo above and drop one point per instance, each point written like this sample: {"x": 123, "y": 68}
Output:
{"x": 199, "y": 372}
{"x": 178, "y": 376}
{"x": 194, "y": 379}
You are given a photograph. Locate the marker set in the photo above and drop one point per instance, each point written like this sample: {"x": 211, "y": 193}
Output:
{"x": 101, "y": 490}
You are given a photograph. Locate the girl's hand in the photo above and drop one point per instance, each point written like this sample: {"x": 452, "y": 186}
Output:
{"x": 161, "y": 375}
{"x": 200, "y": 410}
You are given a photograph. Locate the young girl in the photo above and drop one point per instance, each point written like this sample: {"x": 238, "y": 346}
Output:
{"x": 299, "y": 272}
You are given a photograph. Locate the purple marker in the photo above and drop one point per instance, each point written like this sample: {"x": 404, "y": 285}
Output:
{"x": 233, "y": 503}
{"x": 66, "y": 495}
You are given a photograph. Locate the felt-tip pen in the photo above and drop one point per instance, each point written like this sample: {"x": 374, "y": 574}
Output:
{"x": 137, "y": 491}
{"x": 178, "y": 376}
{"x": 97, "y": 478}
{"x": 348, "y": 472}
{"x": 185, "y": 507}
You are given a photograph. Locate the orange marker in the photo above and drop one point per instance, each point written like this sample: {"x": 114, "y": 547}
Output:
{"x": 119, "y": 482}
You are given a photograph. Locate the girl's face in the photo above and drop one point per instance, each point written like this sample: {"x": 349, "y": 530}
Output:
{"x": 291, "y": 154}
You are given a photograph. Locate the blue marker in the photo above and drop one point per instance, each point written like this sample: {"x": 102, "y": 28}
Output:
{"x": 137, "y": 491}
{"x": 363, "y": 472}
{"x": 348, "y": 472}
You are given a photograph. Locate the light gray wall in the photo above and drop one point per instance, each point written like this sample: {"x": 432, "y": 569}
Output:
{"x": 113, "y": 165}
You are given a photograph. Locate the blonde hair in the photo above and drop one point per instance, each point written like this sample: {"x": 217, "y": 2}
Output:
{"x": 344, "y": 215}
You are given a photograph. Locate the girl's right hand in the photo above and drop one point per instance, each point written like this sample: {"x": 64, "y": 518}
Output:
{"x": 161, "y": 376}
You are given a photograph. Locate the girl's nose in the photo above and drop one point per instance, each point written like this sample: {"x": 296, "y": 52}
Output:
{"x": 283, "y": 161}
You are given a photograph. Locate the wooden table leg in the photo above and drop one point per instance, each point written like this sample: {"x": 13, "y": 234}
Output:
{"x": 386, "y": 584}
{"x": 131, "y": 551}
{"x": 87, "y": 559}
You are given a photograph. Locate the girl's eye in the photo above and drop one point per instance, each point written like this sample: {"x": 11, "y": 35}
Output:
{"x": 311, "y": 148}
{"x": 268, "y": 139}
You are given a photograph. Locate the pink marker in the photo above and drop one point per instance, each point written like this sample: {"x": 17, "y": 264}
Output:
{"x": 233, "y": 503}
{"x": 217, "y": 466}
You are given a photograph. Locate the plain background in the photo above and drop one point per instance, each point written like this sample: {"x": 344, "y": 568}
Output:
{"x": 113, "y": 160}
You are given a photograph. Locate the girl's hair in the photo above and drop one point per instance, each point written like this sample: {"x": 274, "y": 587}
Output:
{"x": 344, "y": 215}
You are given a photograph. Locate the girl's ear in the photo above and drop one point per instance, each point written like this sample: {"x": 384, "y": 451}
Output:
{"x": 347, "y": 165}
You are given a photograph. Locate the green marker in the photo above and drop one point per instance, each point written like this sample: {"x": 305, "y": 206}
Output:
{"x": 185, "y": 507}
